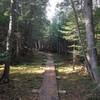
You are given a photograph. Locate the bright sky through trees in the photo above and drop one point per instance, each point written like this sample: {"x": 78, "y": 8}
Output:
{"x": 51, "y": 8}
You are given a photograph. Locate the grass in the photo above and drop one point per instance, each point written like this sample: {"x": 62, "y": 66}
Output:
{"x": 27, "y": 77}
{"x": 77, "y": 83}
{"x": 24, "y": 78}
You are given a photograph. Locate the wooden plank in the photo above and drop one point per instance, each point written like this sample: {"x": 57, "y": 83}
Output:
{"x": 48, "y": 89}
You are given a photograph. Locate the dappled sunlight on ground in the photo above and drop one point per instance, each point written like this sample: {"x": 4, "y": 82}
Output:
{"x": 24, "y": 78}
{"x": 77, "y": 83}
{"x": 28, "y": 70}
{"x": 69, "y": 69}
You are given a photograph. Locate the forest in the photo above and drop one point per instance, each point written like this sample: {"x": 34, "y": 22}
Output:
{"x": 49, "y": 49}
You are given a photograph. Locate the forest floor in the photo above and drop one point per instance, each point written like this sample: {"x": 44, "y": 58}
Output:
{"x": 26, "y": 80}
{"x": 74, "y": 84}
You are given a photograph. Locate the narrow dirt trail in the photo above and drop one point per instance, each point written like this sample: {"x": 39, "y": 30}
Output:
{"x": 48, "y": 89}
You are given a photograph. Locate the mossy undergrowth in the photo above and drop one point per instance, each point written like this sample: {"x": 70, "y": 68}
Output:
{"x": 77, "y": 83}
{"x": 24, "y": 79}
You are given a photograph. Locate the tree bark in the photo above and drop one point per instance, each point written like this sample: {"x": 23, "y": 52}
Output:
{"x": 5, "y": 76}
{"x": 87, "y": 63}
{"x": 91, "y": 54}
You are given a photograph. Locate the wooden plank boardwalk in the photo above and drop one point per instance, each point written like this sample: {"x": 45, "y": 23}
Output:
{"x": 48, "y": 89}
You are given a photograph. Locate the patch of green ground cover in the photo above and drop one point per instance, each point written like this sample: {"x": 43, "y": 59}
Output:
{"x": 77, "y": 83}
{"x": 23, "y": 80}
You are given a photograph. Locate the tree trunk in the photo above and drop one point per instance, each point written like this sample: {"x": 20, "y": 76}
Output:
{"x": 90, "y": 38}
{"x": 87, "y": 63}
{"x": 5, "y": 76}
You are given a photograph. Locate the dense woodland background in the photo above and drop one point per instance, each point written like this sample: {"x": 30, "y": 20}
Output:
{"x": 74, "y": 32}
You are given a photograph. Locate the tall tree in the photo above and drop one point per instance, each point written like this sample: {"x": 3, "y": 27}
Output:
{"x": 5, "y": 76}
{"x": 81, "y": 41}
{"x": 91, "y": 52}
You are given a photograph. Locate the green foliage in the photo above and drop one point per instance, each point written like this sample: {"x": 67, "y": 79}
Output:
{"x": 4, "y": 56}
{"x": 97, "y": 16}
{"x": 33, "y": 19}
{"x": 4, "y": 20}
{"x": 97, "y": 28}
{"x": 4, "y": 12}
